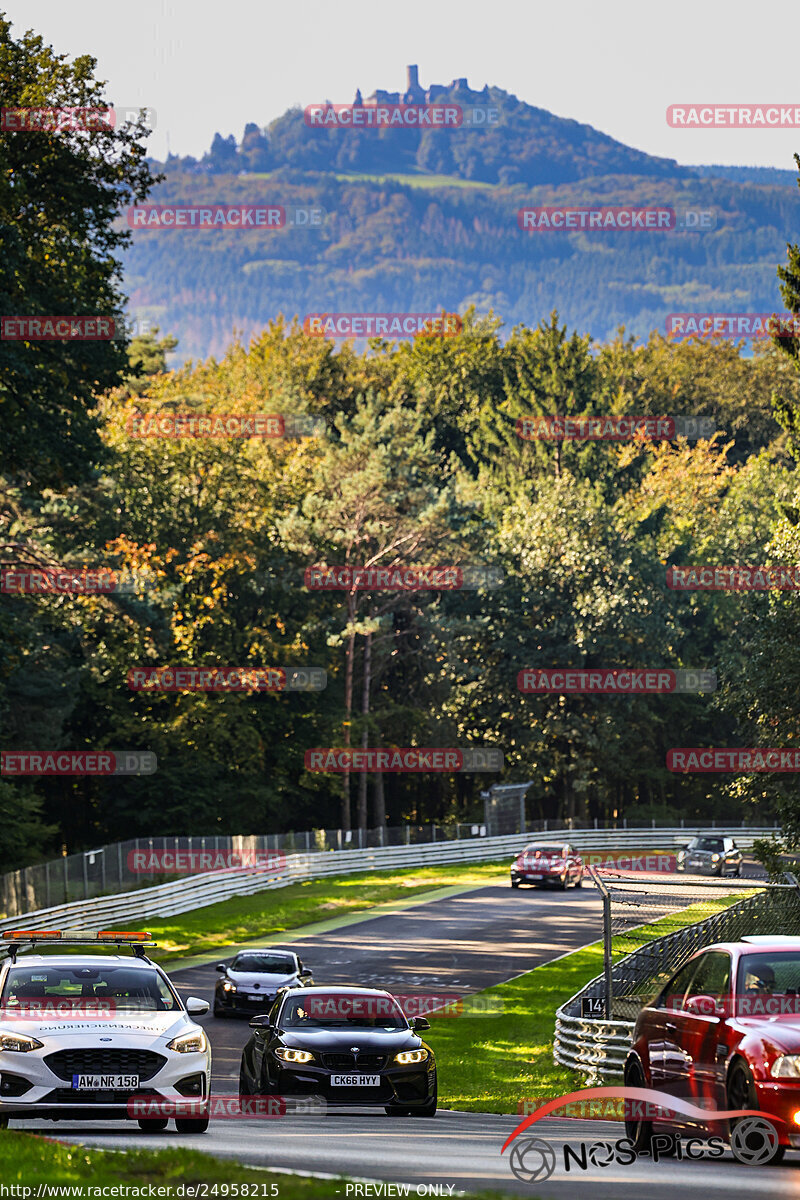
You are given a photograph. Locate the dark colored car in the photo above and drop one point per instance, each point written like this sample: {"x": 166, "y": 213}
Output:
{"x": 543, "y": 863}
{"x": 710, "y": 855}
{"x": 251, "y": 982}
{"x": 724, "y": 1033}
{"x": 348, "y": 1045}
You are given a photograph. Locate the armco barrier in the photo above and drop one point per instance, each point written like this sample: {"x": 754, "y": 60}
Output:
{"x": 197, "y": 891}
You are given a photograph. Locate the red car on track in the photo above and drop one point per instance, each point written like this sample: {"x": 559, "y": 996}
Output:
{"x": 724, "y": 1033}
{"x": 541, "y": 863}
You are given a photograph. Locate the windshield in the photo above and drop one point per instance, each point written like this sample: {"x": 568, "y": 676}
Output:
{"x": 707, "y": 843}
{"x": 772, "y": 974}
{"x": 544, "y": 850}
{"x": 269, "y": 964}
{"x": 342, "y": 1011}
{"x": 127, "y": 988}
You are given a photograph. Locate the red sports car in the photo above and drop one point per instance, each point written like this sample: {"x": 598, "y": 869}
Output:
{"x": 724, "y": 1033}
{"x": 543, "y": 862}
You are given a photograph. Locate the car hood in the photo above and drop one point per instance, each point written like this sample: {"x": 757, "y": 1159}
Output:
{"x": 122, "y": 1027}
{"x": 781, "y": 1028}
{"x": 337, "y": 1041}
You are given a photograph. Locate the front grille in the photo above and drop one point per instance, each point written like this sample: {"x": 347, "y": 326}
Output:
{"x": 94, "y": 1061}
{"x": 117, "y": 1096}
{"x": 349, "y": 1062}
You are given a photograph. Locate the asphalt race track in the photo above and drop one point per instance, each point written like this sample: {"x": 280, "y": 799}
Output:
{"x": 463, "y": 943}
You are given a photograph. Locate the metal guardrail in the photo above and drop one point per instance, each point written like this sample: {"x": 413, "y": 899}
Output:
{"x": 599, "y": 1047}
{"x": 198, "y": 891}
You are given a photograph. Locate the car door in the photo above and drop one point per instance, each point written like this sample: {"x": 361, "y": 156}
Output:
{"x": 694, "y": 1060}
{"x": 660, "y": 1026}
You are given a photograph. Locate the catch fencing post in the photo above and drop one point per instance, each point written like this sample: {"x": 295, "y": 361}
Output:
{"x": 603, "y": 890}
{"x": 47, "y": 883}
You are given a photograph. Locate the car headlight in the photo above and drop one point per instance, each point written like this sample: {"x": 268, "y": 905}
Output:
{"x": 227, "y": 986}
{"x": 715, "y": 858}
{"x": 189, "y": 1043}
{"x": 297, "y": 1056}
{"x": 786, "y": 1067}
{"x": 19, "y": 1042}
{"x": 681, "y": 854}
{"x": 411, "y": 1056}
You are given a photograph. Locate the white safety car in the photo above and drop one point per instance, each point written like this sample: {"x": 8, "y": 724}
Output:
{"x": 91, "y": 1036}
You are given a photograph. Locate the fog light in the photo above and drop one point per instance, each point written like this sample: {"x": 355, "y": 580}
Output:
{"x": 796, "y": 1117}
{"x": 192, "y": 1085}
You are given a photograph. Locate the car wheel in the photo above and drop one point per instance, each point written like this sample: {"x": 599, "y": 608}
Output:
{"x": 515, "y": 883}
{"x": 153, "y": 1124}
{"x": 392, "y": 1110}
{"x": 739, "y": 871}
{"x": 563, "y": 884}
{"x": 640, "y": 1133}
{"x": 4, "y": 1122}
{"x": 741, "y": 1093}
{"x": 191, "y": 1124}
{"x": 244, "y": 1086}
{"x": 579, "y": 880}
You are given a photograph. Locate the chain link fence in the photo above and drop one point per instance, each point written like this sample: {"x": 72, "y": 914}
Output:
{"x": 675, "y": 918}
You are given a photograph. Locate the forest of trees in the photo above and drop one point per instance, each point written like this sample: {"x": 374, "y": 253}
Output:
{"x": 420, "y": 464}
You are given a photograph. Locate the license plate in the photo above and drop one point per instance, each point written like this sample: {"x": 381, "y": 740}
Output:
{"x": 101, "y": 1083}
{"x": 355, "y": 1080}
{"x": 533, "y": 877}
{"x": 256, "y": 996}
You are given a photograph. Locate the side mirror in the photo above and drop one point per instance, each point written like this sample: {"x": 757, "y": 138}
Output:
{"x": 220, "y": 967}
{"x": 261, "y": 1022}
{"x": 701, "y": 1006}
{"x": 305, "y": 973}
{"x": 196, "y": 1007}
{"x": 418, "y": 1023}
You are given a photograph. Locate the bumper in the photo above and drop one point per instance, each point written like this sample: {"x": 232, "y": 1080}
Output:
{"x": 410, "y": 1086}
{"x": 239, "y": 1002}
{"x": 30, "y": 1089}
{"x": 781, "y": 1100}
{"x": 536, "y": 878}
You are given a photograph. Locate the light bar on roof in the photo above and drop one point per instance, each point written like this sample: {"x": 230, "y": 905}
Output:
{"x": 42, "y": 935}
{"x": 109, "y": 935}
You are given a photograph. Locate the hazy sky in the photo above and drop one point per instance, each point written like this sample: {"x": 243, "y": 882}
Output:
{"x": 208, "y": 66}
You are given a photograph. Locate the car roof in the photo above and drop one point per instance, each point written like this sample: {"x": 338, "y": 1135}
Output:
{"x": 756, "y": 944}
{"x": 265, "y": 950}
{"x": 339, "y": 988}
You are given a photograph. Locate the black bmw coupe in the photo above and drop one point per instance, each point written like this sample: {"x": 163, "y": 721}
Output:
{"x": 348, "y": 1045}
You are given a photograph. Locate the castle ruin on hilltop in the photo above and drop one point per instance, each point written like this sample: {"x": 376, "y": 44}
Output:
{"x": 414, "y": 94}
